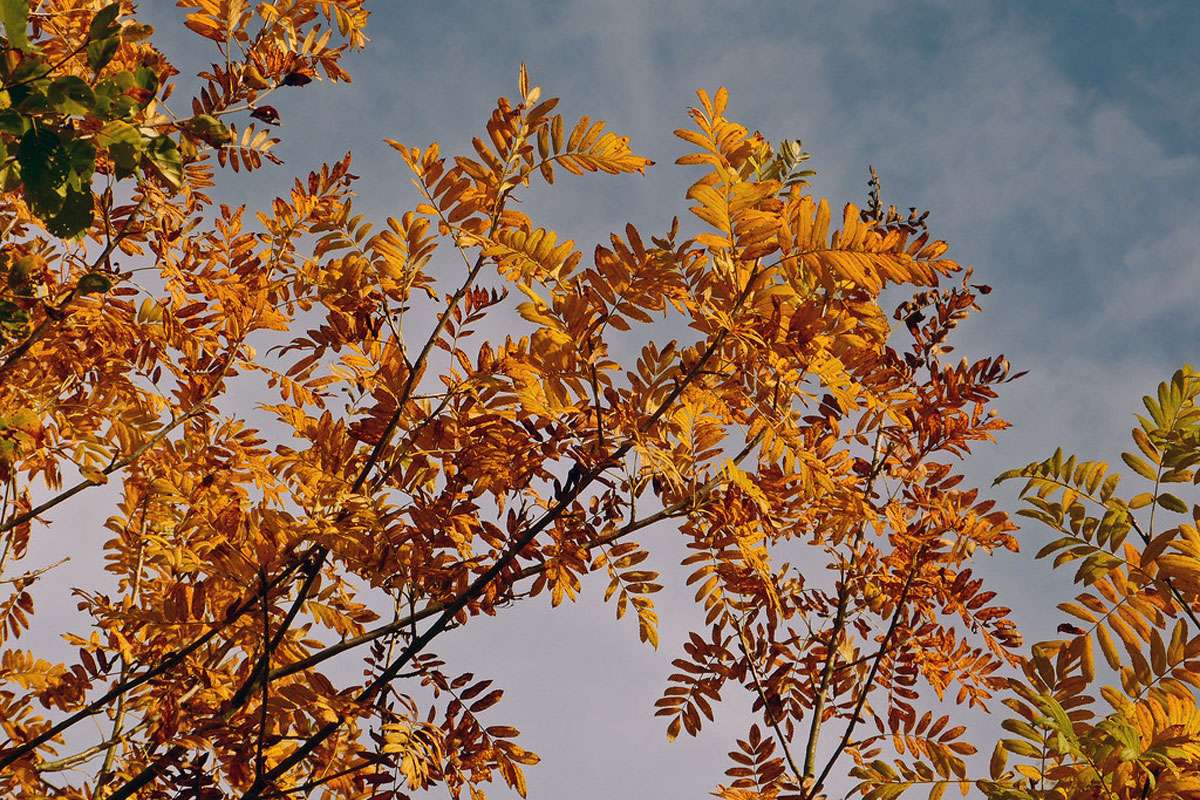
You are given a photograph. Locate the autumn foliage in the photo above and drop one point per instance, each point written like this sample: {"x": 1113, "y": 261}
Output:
{"x": 1133, "y": 625}
{"x": 802, "y": 436}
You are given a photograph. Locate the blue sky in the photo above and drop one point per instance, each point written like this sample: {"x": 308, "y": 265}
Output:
{"x": 1057, "y": 145}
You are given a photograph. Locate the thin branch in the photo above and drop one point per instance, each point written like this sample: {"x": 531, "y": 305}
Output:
{"x": 818, "y": 711}
{"x": 665, "y": 513}
{"x": 154, "y": 768}
{"x": 884, "y": 649}
{"x": 320, "y": 553}
{"x": 148, "y": 774}
{"x": 839, "y": 623}
{"x": 27, "y": 578}
{"x": 110, "y": 753}
{"x": 116, "y": 466}
{"x": 261, "y": 668}
{"x": 169, "y": 662}
{"x": 83, "y": 756}
{"x": 762, "y": 695}
{"x": 264, "y": 666}
{"x": 478, "y": 586}
{"x": 50, "y": 69}
{"x": 1142, "y": 533}
{"x": 599, "y": 412}
{"x": 313, "y": 784}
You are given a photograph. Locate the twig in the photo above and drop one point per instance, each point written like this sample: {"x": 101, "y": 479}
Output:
{"x": 313, "y": 784}
{"x": 50, "y": 69}
{"x": 169, "y": 662}
{"x": 116, "y": 466}
{"x": 478, "y": 586}
{"x": 110, "y": 753}
{"x": 320, "y": 553}
{"x": 667, "y": 512}
{"x": 264, "y": 666}
{"x": 31, "y": 576}
{"x": 884, "y": 647}
{"x": 762, "y": 694}
{"x": 839, "y": 623}
{"x": 153, "y": 769}
{"x": 83, "y": 756}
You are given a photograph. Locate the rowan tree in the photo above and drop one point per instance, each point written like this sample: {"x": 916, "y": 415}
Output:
{"x": 802, "y": 437}
{"x": 1137, "y": 561}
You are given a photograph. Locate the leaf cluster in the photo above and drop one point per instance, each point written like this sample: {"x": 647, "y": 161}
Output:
{"x": 411, "y": 471}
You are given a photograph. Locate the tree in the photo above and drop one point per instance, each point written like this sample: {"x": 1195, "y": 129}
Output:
{"x": 437, "y": 482}
{"x": 1137, "y": 560}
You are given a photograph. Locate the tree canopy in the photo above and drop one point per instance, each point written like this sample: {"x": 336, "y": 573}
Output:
{"x": 770, "y": 378}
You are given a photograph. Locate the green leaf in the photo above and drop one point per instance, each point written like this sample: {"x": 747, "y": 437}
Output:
{"x": 101, "y": 51}
{"x": 10, "y": 173}
{"x": 1021, "y": 728}
{"x": 26, "y": 76}
{"x": 1058, "y": 721}
{"x": 1020, "y": 747}
{"x": 30, "y": 99}
{"x": 1172, "y": 503}
{"x": 125, "y": 79}
{"x": 12, "y": 314}
{"x": 18, "y": 275}
{"x": 146, "y": 78}
{"x": 208, "y": 129}
{"x": 71, "y": 95}
{"x": 82, "y": 156}
{"x": 111, "y": 100}
{"x": 75, "y": 216}
{"x": 104, "y": 24}
{"x": 45, "y": 165}
{"x": 12, "y": 122}
{"x": 164, "y": 154}
{"x": 16, "y": 20}
{"x": 94, "y": 283}
{"x": 117, "y": 132}
{"x": 124, "y": 144}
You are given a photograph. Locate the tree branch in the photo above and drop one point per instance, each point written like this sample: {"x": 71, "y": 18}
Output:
{"x": 478, "y": 586}
{"x": 762, "y": 695}
{"x": 839, "y": 624}
{"x": 320, "y": 553}
{"x": 884, "y": 649}
{"x": 169, "y": 662}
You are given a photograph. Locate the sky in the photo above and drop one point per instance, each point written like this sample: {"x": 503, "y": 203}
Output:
{"x": 1057, "y": 145}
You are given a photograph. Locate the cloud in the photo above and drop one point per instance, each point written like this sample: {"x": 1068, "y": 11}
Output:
{"x": 1159, "y": 280}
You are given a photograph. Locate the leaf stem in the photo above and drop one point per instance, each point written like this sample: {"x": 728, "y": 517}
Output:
{"x": 884, "y": 649}
{"x": 771, "y": 719}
